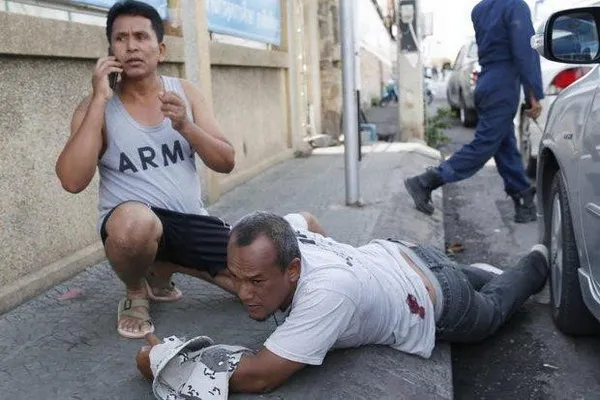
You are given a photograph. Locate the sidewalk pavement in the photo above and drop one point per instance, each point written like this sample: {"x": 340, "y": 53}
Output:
{"x": 64, "y": 345}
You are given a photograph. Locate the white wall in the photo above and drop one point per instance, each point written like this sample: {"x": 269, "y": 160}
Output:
{"x": 371, "y": 32}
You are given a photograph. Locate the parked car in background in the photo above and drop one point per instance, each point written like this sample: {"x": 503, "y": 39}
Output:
{"x": 461, "y": 84}
{"x": 568, "y": 173}
{"x": 556, "y": 76}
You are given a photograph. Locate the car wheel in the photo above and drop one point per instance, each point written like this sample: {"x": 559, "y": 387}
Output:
{"x": 468, "y": 117}
{"x": 453, "y": 108}
{"x": 569, "y": 312}
{"x": 529, "y": 162}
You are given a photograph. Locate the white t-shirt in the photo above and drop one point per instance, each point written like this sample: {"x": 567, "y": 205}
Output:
{"x": 351, "y": 296}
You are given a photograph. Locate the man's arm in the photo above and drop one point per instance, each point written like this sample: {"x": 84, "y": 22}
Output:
{"x": 309, "y": 332}
{"x": 305, "y": 221}
{"x": 204, "y": 134}
{"x": 313, "y": 223}
{"x": 76, "y": 164}
{"x": 262, "y": 372}
{"x": 527, "y": 60}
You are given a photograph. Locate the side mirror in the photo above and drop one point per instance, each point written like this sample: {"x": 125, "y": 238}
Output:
{"x": 570, "y": 36}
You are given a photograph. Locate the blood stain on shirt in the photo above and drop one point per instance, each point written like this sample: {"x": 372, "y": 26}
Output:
{"x": 414, "y": 306}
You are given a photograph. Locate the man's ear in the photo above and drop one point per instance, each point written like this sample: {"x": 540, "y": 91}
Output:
{"x": 162, "y": 49}
{"x": 294, "y": 270}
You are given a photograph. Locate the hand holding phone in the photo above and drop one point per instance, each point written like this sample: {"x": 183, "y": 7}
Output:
{"x": 113, "y": 77}
{"x": 105, "y": 77}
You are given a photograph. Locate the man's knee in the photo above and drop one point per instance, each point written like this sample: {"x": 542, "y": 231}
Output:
{"x": 131, "y": 226}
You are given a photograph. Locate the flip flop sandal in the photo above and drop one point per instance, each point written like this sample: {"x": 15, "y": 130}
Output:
{"x": 153, "y": 282}
{"x": 126, "y": 309}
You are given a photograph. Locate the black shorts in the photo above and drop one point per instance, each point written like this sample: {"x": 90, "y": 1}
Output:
{"x": 188, "y": 240}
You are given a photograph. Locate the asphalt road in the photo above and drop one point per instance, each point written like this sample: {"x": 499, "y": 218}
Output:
{"x": 528, "y": 358}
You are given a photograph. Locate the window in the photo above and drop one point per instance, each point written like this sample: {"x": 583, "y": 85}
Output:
{"x": 460, "y": 56}
{"x": 575, "y": 37}
{"x": 473, "y": 51}
{"x": 59, "y": 10}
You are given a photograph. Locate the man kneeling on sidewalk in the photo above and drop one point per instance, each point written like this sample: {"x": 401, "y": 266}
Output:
{"x": 142, "y": 134}
{"x": 334, "y": 295}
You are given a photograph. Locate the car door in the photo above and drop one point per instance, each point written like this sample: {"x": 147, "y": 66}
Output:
{"x": 467, "y": 68}
{"x": 589, "y": 184}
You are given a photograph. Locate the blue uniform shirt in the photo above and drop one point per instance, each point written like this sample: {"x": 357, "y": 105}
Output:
{"x": 503, "y": 31}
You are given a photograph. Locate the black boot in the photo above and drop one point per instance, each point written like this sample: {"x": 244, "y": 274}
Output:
{"x": 420, "y": 188}
{"x": 525, "y": 209}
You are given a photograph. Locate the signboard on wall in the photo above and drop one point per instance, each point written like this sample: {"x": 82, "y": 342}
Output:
{"x": 408, "y": 26}
{"x": 160, "y": 5}
{"x": 258, "y": 20}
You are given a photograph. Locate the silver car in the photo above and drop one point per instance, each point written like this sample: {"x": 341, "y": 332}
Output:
{"x": 568, "y": 179}
{"x": 462, "y": 82}
{"x": 555, "y": 78}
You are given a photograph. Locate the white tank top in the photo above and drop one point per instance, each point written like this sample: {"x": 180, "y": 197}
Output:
{"x": 151, "y": 164}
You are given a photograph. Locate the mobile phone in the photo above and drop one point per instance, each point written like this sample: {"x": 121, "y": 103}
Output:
{"x": 113, "y": 77}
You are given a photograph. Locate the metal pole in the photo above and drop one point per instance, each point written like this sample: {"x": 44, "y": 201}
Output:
{"x": 292, "y": 73}
{"x": 350, "y": 114}
{"x": 358, "y": 80}
{"x": 398, "y": 60}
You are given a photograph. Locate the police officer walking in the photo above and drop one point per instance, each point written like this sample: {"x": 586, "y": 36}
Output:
{"x": 503, "y": 29}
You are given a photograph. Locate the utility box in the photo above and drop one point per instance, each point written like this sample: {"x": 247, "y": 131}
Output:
{"x": 426, "y": 24}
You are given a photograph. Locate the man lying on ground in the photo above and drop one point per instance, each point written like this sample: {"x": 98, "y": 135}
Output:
{"x": 334, "y": 295}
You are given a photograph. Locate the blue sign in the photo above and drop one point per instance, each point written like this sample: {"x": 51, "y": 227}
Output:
{"x": 160, "y": 5}
{"x": 258, "y": 20}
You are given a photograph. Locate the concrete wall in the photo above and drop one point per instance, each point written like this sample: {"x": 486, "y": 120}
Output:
{"x": 250, "y": 102}
{"x": 374, "y": 74}
{"x": 257, "y": 94}
{"x": 375, "y": 52}
{"x": 237, "y": 91}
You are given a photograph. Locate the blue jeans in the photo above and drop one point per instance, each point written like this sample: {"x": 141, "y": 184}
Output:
{"x": 476, "y": 303}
